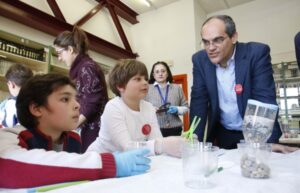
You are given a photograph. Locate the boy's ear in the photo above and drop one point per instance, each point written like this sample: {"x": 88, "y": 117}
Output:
{"x": 121, "y": 89}
{"x": 35, "y": 110}
{"x": 14, "y": 85}
{"x": 11, "y": 83}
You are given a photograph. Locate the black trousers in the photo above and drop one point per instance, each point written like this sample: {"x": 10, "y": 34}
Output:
{"x": 228, "y": 139}
{"x": 176, "y": 131}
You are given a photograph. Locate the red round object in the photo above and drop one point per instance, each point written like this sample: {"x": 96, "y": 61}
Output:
{"x": 146, "y": 129}
{"x": 238, "y": 89}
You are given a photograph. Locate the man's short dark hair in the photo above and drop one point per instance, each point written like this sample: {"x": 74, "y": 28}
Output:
{"x": 230, "y": 29}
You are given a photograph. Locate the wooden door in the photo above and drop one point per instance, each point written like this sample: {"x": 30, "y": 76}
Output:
{"x": 181, "y": 79}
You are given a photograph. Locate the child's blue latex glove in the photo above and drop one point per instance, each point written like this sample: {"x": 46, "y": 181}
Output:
{"x": 172, "y": 110}
{"x": 132, "y": 162}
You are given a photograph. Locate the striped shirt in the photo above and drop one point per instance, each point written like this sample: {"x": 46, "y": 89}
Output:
{"x": 175, "y": 97}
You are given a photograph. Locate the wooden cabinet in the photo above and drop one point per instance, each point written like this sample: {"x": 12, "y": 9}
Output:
{"x": 40, "y": 58}
{"x": 10, "y": 58}
{"x": 57, "y": 66}
{"x": 15, "y": 49}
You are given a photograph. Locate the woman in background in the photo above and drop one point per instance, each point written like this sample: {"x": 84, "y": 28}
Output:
{"x": 168, "y": 99}
{"x": 72, "y": 48}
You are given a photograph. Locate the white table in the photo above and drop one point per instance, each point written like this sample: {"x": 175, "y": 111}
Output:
{"x": 166, "y": 176}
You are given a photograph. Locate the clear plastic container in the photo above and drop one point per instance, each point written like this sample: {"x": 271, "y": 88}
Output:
{"x": 254, "y": 160}
{"x": 258, "y": 121}
{"x": 200, "y": 162}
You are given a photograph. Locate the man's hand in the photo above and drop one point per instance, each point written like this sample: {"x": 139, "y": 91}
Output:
{"x": 283, "y": 148}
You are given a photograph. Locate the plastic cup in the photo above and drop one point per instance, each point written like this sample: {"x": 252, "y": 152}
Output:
{"x": 200, "y": 162}
{"x": 241, "y": 147}
{"x": 136, "y": 145}
{"x": 254, "y": 160}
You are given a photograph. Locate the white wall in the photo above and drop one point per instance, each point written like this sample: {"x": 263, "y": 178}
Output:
{"x": 167, "y": 34}
{"x": 200, "y": 17}
{"x": 274, "y": 22}
{"x": 18, "y": 29}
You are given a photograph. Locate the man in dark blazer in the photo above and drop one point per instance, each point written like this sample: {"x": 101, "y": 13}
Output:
{"x": 225, "y": 75}
{"x": 297, "y": 48}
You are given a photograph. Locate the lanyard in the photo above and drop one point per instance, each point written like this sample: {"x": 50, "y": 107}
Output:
{"x": 164, "y": 100}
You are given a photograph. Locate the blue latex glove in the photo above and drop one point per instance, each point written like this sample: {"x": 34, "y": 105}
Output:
{"x": 172, "y": 110}
{"x": 132, "y": 162}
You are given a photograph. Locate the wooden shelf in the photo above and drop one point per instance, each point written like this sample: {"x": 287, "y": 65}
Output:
{"x": 59, "y": 69}
{"x": 3, "y": 85}
{"x": 2, "y": 78}
{"x": 35, "y": 65}
{"x": 20, "y": 40}
{"x": 8, "y": 58}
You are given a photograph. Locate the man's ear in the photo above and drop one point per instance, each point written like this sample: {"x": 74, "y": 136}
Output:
{"x": 35, "y": 110}
{"x": 234, "y": 38}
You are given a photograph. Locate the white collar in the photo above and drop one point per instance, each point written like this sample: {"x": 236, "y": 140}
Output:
{"x": 156, "y": 83}
{"x": 229, "y": 62}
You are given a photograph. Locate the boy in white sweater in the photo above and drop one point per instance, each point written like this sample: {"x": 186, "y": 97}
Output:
{"x": 128, "y": 117}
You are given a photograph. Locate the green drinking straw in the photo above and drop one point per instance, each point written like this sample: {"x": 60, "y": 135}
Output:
{"x": 189, "y": 133}
{"x": 219, "y": 169}
{"x": 205, "y": 134}
{"x": 54, "y": 186}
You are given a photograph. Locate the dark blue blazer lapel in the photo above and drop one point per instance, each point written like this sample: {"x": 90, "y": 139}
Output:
{"x": 212, "y": 89}
{"x": 212, "y": 84}
{"x": 240, "y": 73}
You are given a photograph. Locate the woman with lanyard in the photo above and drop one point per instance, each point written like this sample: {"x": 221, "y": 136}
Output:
{"x": 168, "y": 99}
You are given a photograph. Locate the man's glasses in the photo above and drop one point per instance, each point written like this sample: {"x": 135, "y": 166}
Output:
{"x": 215, "y": 42}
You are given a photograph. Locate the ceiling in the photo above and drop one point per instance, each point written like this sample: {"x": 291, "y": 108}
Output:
{"x": 140, "y": 7}
{"x": 209, "y": 6}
